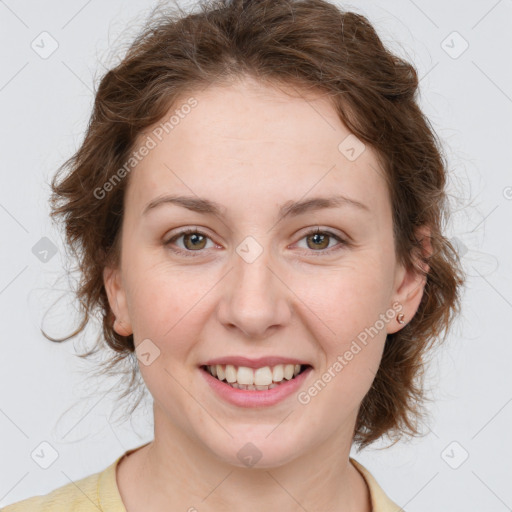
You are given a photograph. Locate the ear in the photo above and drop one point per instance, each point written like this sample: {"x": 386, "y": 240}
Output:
{"x": 409, "y": 284}
{"x": 117, "y": 299}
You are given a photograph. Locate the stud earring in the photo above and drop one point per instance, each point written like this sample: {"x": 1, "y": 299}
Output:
{"x": 400, "y": 318}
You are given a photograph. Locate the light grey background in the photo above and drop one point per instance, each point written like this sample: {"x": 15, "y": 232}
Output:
{"x": 45, "y": 392}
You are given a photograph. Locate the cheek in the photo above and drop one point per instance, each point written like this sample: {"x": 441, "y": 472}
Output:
{"x": 348, "y": 299}
{"x": 351, "y": 337}
{"x": 166, "y": 304}
{"x": 346, "y": 310}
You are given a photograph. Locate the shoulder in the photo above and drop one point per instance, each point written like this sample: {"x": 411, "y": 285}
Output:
{"x": 380, "y": 500}
{"x": 90, "y": 494}
{"x": 79, "y": 496}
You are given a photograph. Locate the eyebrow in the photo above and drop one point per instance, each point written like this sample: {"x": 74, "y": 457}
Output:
{"x": 288, "y": 209}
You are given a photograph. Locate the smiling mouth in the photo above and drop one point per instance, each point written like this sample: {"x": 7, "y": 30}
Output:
{"x": 259, "y": 379}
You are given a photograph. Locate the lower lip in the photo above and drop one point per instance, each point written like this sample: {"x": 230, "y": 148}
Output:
{"x": 255, "y": 398}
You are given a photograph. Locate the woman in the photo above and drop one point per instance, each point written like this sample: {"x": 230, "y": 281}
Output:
{"x": 257, "y": 211}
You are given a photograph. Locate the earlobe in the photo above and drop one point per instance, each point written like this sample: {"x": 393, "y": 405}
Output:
{"x": 117, "y": 301}
{"x": 410, "y": 283}
{"x": 121, "y": 329}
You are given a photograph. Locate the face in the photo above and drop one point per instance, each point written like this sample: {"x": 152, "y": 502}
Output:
{"x": 273, "y": 270}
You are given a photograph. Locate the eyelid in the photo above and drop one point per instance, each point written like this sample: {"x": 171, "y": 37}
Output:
{"x": 342, "y": 240}
{"x": 186, "y": 231}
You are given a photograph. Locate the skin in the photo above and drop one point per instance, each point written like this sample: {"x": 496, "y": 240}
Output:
{"x": 251, "y": 148}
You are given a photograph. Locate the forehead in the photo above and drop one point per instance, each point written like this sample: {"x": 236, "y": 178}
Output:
{"x": 251, "y": 140}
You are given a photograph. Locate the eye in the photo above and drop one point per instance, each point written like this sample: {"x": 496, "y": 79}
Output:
{"x": 318, "y": 240}
{"x": 193, "y": 241}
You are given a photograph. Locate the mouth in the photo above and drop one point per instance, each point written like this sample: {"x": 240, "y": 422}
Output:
{"x": 255, "y": 379}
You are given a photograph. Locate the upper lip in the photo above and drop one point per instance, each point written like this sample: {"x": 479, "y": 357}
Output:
{"x": 259, "y": 362}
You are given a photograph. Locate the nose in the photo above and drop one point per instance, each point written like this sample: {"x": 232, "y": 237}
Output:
{"x": 255, "y": 299}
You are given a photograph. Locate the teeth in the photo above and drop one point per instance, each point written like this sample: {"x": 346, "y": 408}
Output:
{"x": 221, "y": 375}
{"x": 278, "y": 373}
{"x": 230, "y": 373}
{"x": 243, "y": 377}
{"x": 259, "y": 388}
{"x": 263, "y": 376}
{"x": 288, "y": 371}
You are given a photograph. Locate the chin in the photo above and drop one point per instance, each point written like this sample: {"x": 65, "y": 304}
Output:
{"x": 256, "y": 449}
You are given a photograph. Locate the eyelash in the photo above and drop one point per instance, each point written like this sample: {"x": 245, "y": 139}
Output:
{"x": 315, "y": 231}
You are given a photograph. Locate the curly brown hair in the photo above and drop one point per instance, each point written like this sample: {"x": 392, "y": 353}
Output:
{"x": 312, "y": 45}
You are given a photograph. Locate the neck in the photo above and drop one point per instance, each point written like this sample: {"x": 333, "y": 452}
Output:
{"x": 177, "y": 469}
